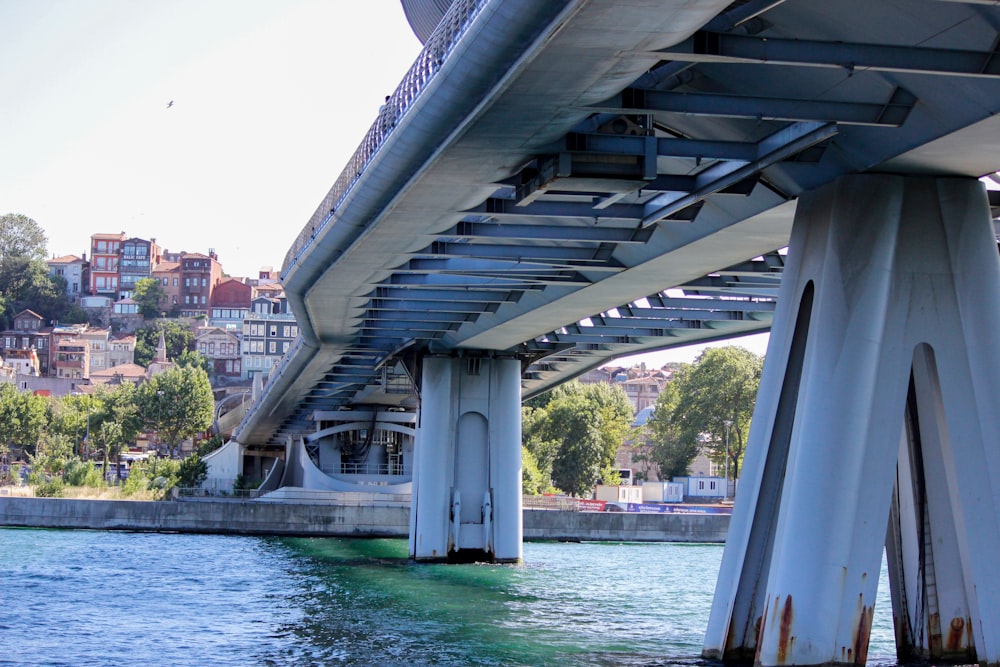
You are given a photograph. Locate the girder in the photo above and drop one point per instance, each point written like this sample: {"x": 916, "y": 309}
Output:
{"x": 707, "y": 46}
{"x": 446, "y": 294}
{"x": 542, "y": 232}
{"x": 891, "y": 112}
{"x": 504, "y": 209}
{"x": 779, "y": 146}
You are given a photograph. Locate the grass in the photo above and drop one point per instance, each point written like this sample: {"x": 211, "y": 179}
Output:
{"x": 87, "y": 493}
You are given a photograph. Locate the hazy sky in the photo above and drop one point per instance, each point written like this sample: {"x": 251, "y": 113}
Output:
{"x": 271, "y": 97}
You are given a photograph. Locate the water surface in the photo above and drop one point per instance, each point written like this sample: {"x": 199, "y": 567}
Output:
{"x": 113, "y": 598}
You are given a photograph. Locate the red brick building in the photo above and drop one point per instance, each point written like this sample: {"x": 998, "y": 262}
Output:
{"x": 199, "y": 276}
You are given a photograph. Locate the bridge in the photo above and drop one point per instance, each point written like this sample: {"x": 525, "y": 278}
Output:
{"x": 556, "y": 184}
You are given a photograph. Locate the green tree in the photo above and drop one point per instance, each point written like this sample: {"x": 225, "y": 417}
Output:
{"x": 20, "y": 236}
{"x": 178, "y": 338}
{"x": 535, "y": 441}
{"x": 716, "y": 400}
{"x": 53, "y": 453}
{"x": 671, "y": 453}
{"x": 579, "y": 432}
{"x": 69, "y": 416}
{"x": 82, "y": 473}
{"x": 178, "y": 404}
{"x": 26, "y": 283}
{"x": 193, "y": 472}
{"x": 196, "y": 360}
{"x": 23, "y": 416}
{"x": 148, "y": 294}
{"x": 533, "y": 481}
{"x": 117, "y": 421}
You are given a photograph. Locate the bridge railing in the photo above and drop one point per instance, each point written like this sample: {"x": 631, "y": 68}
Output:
{"x": 551, "y": 503}
{"x": 367, "y": 469}
{"x": 440, "y": 44}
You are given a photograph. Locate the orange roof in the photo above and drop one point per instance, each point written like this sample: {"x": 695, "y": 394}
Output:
{"x": 166, "y": 266}
{"x": 65, "y": 259}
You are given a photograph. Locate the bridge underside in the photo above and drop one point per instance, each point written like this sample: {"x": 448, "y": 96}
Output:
{"x": 564, "y": 182}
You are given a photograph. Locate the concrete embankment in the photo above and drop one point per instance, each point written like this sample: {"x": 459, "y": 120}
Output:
{"x": 223, "y": 517}
{"x": 624, "y": 526}
{"x": 327, "y": 520}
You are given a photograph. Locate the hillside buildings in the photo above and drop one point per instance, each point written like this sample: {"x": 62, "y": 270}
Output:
{"x": 242, "y": 325}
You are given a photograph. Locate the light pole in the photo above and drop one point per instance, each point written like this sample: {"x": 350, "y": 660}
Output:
{"x": 159, "y": 412}
{"x": 728, "y": 423}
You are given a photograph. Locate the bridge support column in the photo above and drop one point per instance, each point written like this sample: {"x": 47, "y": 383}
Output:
{"x": 877, "y": 407}
{"x": 467, "y": 461}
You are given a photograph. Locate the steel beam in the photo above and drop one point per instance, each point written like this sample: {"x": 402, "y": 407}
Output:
{"x": 719, "y": 47}
{"x": 779, "y": 146}
{"x": 540, "y": 232}
{"x": 889, "y": 113}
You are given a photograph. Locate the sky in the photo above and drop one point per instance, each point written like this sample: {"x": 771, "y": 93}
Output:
{"x": 269, "y": 101}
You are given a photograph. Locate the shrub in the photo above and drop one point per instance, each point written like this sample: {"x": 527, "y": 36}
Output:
{"x": 51, "y": 489}
{"x": 244, "y": 483}
{"x": 83, "y": 473}
{"x": 206, "y": 447}
{"x": 193, "y": 471}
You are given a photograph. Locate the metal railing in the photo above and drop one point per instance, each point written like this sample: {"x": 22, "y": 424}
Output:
{"x": 366, "y": 469}
{"x": 445, "y": 37}
{"x": 194, "y": 494}
{"x": 550, "y": 503}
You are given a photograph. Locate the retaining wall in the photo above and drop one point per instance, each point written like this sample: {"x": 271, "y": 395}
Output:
{"x": 226, "y": 517}
{"x": 326, "y": 520}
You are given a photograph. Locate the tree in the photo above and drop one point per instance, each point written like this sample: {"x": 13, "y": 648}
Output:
{"x": 716, "y": 400}
{"x": 26, "y": 283}
{"x": 671, "y": 453}
{"x": 116, "y": 422}
{"x": 178, "y": 338}
{"x": 178, "y": 404}
{"x": 148, "y": 294}
{"x": 23, "y": 417}
{"x": 533, "y": 481}
{"x": 578, "y": 432}
{"x": 193, "y": 472}
{"x": 196, "y": 360}
{"x": 69, "y": 416}
{"x": 534, "y": 440}
{"x": 20, "y": 236}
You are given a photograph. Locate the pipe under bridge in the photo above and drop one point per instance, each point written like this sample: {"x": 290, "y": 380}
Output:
{"x": 555, "y": 184}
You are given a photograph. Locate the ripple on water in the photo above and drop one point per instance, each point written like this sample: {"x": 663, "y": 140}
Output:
{"x": 203, "y": 599}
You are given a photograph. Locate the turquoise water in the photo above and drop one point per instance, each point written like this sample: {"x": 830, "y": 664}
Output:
{"x": 111, "y": 598}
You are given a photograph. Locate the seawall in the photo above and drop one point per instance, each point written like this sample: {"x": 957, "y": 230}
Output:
{"x": 326, "y": 520}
